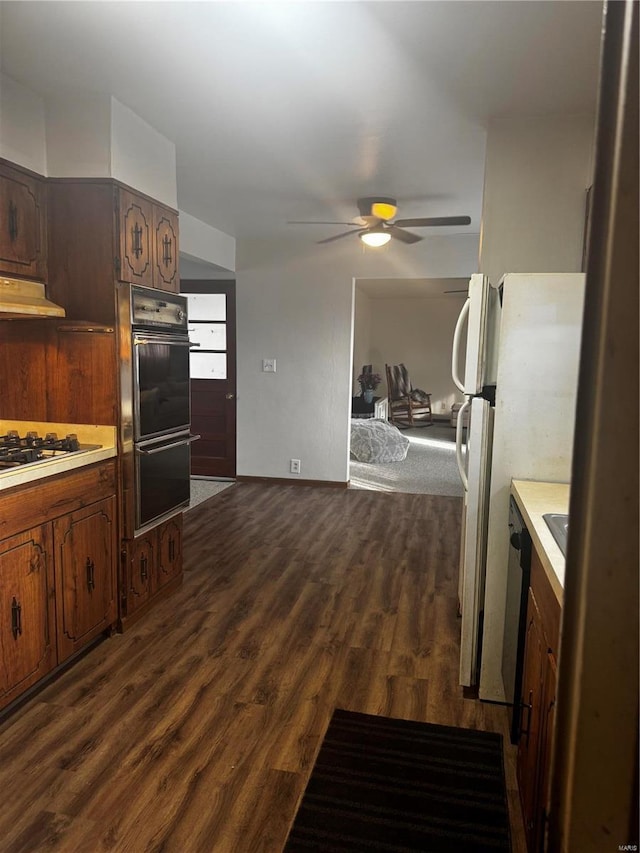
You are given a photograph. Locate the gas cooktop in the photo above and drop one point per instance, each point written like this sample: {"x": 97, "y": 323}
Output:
{"x": 18, "y": 451}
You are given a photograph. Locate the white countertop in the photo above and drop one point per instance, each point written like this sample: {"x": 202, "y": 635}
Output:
{"x": 105, "y": 436}
{"x": 535, "y": 500}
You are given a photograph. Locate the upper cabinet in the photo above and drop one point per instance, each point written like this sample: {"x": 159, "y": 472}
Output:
{"x": 23, "y": 223}
{"x": 165, "y": 249}
{"x": 135, "y": 222}
{"x": 148, "y": 241}
{"x": 100, "y": 233}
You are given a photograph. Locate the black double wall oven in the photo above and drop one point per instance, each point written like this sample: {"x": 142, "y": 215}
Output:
{"x": 155, "y": 405}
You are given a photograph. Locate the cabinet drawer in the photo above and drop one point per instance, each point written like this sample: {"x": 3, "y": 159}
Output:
{"x": 53, "y": 496}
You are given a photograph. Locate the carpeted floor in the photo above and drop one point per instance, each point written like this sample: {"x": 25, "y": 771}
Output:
{"x": 429, "y": 468}
{"x": 382, "y": 784}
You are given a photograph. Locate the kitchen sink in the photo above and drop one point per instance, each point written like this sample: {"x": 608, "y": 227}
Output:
{"x": 558, "y": 524}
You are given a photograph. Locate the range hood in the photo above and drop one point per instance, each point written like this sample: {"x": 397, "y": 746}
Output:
{"x": 20, "y": 298}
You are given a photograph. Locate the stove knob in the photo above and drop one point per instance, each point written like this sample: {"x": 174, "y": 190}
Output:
{"x": 71, "y": 442}
{"x": 180, "y": 315}
{"x": 50, "y": 437}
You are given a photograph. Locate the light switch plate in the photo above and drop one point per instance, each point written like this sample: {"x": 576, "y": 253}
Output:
{"x": 268, "y": 365}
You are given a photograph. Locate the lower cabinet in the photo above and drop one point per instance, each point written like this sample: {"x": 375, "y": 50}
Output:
{"x": 27, "y": 622}
{"x": 538, "y": 706}
{"x": 57, "y": 579}
{"x": 149, "y": 563}
{"x": 85, "y": 570}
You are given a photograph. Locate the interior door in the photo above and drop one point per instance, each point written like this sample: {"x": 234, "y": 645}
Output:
{"x": 212, "y": 326}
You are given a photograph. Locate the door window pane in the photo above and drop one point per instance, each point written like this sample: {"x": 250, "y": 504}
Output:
{"x": 209, "y": 335}
{"x": 207, "y": 306}
{"x": 208, "y": 365}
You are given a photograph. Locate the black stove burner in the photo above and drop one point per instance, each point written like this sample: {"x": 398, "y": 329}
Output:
{"x": 18, "y": 450}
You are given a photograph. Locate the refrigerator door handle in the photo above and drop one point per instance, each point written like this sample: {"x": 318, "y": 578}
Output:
{"x": 459, "y": 460}
{"x": 455, "y": 352}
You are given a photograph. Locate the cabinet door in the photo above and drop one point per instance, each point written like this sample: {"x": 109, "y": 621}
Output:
{"x": 529, "y": 744}
{"x": 170, "y": 550}
{"x": 550, "y": 678}
{"x": 140, "y": 567}
{"x": 23, "y": 239}
{"x": 85, "y": 570}
{"x": 165, "y": 249}
{"x": 27, "y": 646}
{"x": 136, "y": 248}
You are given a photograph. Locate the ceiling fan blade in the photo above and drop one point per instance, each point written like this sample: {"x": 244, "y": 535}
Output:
{"x": 344, "y": 234}
{"x": 456, "y": 291}
{"x": 316, "y": 222}
{"x": 425, "y": 222}
{"x": 404, "y": 236}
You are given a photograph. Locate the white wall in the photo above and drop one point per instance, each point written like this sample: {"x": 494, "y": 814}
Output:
{"x": 78, "y": 136}
{"x": 141, "y": 157}
{"x": 190, "y": 269}
{"x": 203, "y": 243}
{"x": 362, "y": 336}
{"x": 537, "y": 172}
{"x": 294, "y": 304}
{"x": 418, "y": 333}
{"x": 22, "y": 126}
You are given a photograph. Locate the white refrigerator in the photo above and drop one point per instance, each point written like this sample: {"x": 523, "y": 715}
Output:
{"x": 520, "y": 380}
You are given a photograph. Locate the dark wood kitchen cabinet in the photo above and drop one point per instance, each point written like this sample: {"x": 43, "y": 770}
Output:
{"x": 23, "y": 223}
{"x": 58, "y": 577}
{"x": 27, "y": 621}
{"x": 102, "y": 232}
{"x": 135, "y": 221}
{"x": 139, "y": 563}
{"x": 165, "y": 249}
{"x": 151, "y": 566}
{"x": 169, "y": 551}
{"x": 538, "y": 705}
{"x": 148, "y": 242}
{"x": 85, "y": 569}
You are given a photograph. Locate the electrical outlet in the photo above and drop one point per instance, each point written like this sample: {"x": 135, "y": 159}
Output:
{"x": 268, "y": 365}
{"x": 295, "y": 466}
{"x": 443, "y": 407}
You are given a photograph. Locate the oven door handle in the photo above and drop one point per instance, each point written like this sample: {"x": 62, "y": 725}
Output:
{"x": 173, "y": 444}
{"x": 170, "y": 342}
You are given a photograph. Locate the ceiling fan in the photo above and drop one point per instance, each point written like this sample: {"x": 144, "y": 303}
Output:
{"x": 376, "y": 228}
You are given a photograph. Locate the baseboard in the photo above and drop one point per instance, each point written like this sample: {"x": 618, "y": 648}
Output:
{"x": 289, "y": 481}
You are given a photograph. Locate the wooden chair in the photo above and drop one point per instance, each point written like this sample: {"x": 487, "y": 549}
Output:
{"x": 408, "y": 406}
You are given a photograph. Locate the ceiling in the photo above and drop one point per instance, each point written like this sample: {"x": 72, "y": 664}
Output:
{"x": 284, "y": 111}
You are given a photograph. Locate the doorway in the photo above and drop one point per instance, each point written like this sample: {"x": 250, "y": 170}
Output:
{"x": 410, "y": 321}
{"x": 212, "y": 327}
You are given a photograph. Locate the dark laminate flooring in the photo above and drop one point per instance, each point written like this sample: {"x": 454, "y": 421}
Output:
{"x": 196, "y": 730}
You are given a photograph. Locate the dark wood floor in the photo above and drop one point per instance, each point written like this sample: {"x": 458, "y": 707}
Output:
{"x": 196, "y": 730}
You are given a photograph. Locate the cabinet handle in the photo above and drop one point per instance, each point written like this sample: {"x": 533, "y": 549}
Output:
{"x": 528, "y": 706}
{"x": 166, "y": 250}
{"x": 143, "y": 568}
{"x": 136, "y": 232}
{"x": 13, "y": 221}
{"x": 16, "y": 618}
{"x": 91, "y": 576}
{"x": 172, "y": 549}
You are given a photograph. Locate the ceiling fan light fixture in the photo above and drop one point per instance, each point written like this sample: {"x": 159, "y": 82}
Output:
{"x": 375, "y": 239}
{"x": 383, "y": 210}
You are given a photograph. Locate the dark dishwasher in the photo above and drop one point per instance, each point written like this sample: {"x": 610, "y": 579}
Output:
{"x": 515, "y": 621}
